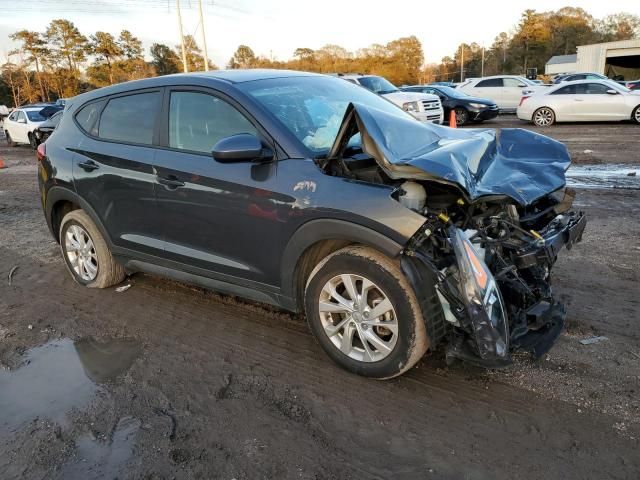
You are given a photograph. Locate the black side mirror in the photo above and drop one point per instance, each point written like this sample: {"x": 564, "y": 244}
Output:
{"x": 243, "y": 147}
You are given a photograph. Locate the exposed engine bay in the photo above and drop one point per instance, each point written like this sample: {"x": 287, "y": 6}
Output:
{"x": 496, "y": 215}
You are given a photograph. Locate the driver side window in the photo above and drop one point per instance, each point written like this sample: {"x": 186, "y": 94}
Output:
{"x": 197, "y": 121}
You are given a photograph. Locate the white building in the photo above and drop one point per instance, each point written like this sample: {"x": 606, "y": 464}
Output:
{"x": 561, "y": 64}
{"x": 613, "y": 59}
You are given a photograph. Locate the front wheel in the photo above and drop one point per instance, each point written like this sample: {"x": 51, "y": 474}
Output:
{"x": 86, "y": 253}
{"x": 364, "y": 313}
{"x": 544, "y": 117}
{"x": 462, "y": 116}
{"x": 635, "y": 116}
{"x": 33, "y": 141}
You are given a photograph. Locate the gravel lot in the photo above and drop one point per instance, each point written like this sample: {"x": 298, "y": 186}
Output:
{"x": 167, "y": 381}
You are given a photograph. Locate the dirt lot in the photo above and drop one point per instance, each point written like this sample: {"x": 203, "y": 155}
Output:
{"x": 166, "y": 381}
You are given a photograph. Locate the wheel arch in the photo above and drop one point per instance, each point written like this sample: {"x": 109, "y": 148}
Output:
{"x": 316, "y": 239}
{"x": 59, "y": 202}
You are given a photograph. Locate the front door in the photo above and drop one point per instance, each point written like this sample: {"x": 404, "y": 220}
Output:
{"x": 220, "y": 219}
{"x": 113, "y": 168}
{"x": 594, "y": 103}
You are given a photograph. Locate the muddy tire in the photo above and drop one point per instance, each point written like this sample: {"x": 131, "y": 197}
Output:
{"x": 364, "y": 314}
{"x": 543, "y": 117}
{"x": 10, "y": 142}
{"x": 86, "y": 254}
{"x": 635, "y": 115}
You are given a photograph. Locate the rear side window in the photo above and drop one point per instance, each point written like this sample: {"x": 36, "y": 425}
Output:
{"x": 130, "y": 119}
{"x": 197, "y": 121}
{"x": 512, "y": 82}
{"x": 87, "y": 117}
{"x": 491, "y": 82}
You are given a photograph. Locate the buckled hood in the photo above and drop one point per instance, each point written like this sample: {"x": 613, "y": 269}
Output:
{"x": 516, "y": 163}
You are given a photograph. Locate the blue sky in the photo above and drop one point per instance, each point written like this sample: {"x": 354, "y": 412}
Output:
{"x": 276, "y": 27}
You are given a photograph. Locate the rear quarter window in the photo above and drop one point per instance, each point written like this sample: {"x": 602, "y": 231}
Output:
{"x": 87, "y": 117}
{"x": 130, "y": 119}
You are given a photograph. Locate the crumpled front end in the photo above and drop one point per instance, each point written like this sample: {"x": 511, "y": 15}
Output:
{"x": 497, "y": 214}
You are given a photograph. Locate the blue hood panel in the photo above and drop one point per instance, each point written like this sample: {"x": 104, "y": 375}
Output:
{"x": 514, "y": 162}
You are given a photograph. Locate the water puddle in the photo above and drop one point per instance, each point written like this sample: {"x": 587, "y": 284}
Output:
{"x": 604, "y": 176}
{"x": 98, "y": 459}
{"x": 59, "y": 376}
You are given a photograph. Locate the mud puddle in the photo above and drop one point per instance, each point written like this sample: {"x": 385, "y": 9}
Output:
{"x": 97, "y": 458}
{"x": 626, "y": 177}
{"x": 59, "y": 376}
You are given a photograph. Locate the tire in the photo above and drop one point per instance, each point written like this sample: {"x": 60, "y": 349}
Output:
{"x": 635, "y": 115}
{"x": 462, "y": 116}
{"x": 404, "y": 344}
{"x": 543, "y": 117}
{"x": 33, "y": 142}
{"x": 76, "y": 228}
{"x": 10, "y": 142}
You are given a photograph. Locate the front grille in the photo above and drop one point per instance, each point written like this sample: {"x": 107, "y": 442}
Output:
{"x": 431, "y": 105}
{"x": 433, "y": 117}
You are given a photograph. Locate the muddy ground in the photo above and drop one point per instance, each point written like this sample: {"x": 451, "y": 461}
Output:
{"x": 166, "y": 381}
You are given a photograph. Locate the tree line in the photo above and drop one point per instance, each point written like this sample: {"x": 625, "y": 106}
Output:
{"x": 61, "y": 62}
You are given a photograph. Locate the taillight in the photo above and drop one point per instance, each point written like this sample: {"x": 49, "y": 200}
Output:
{"x": 41, "y": 152}
{"x": 522, "y": 100}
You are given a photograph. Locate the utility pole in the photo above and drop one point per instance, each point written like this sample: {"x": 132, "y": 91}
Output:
{"x": 462, "y": 62}
{"x": 482, "y": 64}
{"x": 204, "y": 39}
{"x": 184, "y": 53}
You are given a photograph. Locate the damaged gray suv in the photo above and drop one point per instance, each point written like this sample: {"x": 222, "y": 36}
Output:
{"x": 312, "y": 194}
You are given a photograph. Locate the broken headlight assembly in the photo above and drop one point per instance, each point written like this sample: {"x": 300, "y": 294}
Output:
{"x": 486, "y": 315}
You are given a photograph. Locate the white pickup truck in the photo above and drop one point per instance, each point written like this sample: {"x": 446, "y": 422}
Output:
{"x": 423, "y": 106}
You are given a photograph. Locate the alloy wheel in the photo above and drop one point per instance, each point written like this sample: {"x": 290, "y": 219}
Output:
{"x": 637, "y": 115}
{"x": 358, "y": 318}
{"x": 543, "y": 117}
{"x": 81, "y": 253}
{"x": 461, "y": 116}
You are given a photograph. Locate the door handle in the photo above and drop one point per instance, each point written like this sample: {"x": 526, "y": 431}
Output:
{"x": 170, "y": 181}
{"x": 578, "y": 100}
{"x": 89, "y": 166}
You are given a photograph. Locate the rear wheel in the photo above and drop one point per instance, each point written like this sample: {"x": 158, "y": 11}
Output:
{"x": 635, "y": 116}
{"x": 10, "y": 142}
{"x": 543, "y": 117}
{"x": 364, "y": 313}
{"x": 462, "y": 116}
{"x": 86, "y": 254}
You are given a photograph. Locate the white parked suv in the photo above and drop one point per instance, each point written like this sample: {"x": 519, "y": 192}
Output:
{"x": 423, "y": 106}
{"x": 19, "y": 126}
{"x": 505, "y": 90}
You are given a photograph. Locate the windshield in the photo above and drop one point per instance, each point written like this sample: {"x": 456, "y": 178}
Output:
{"x": 312, "y": 108}
{"x": 378, "y": 85}
{"x": 35, "y": 116}
{"x": 616, "y": 85}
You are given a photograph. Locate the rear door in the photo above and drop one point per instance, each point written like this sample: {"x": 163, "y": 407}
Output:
{"x": 219, "y": 218}
{"x": 490, "y": 88}
{"x": 113, "y": 167}
{"x": 512, "y": 92}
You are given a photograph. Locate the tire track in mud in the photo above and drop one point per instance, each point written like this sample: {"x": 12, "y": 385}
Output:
{"x": 451, "y": 423}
